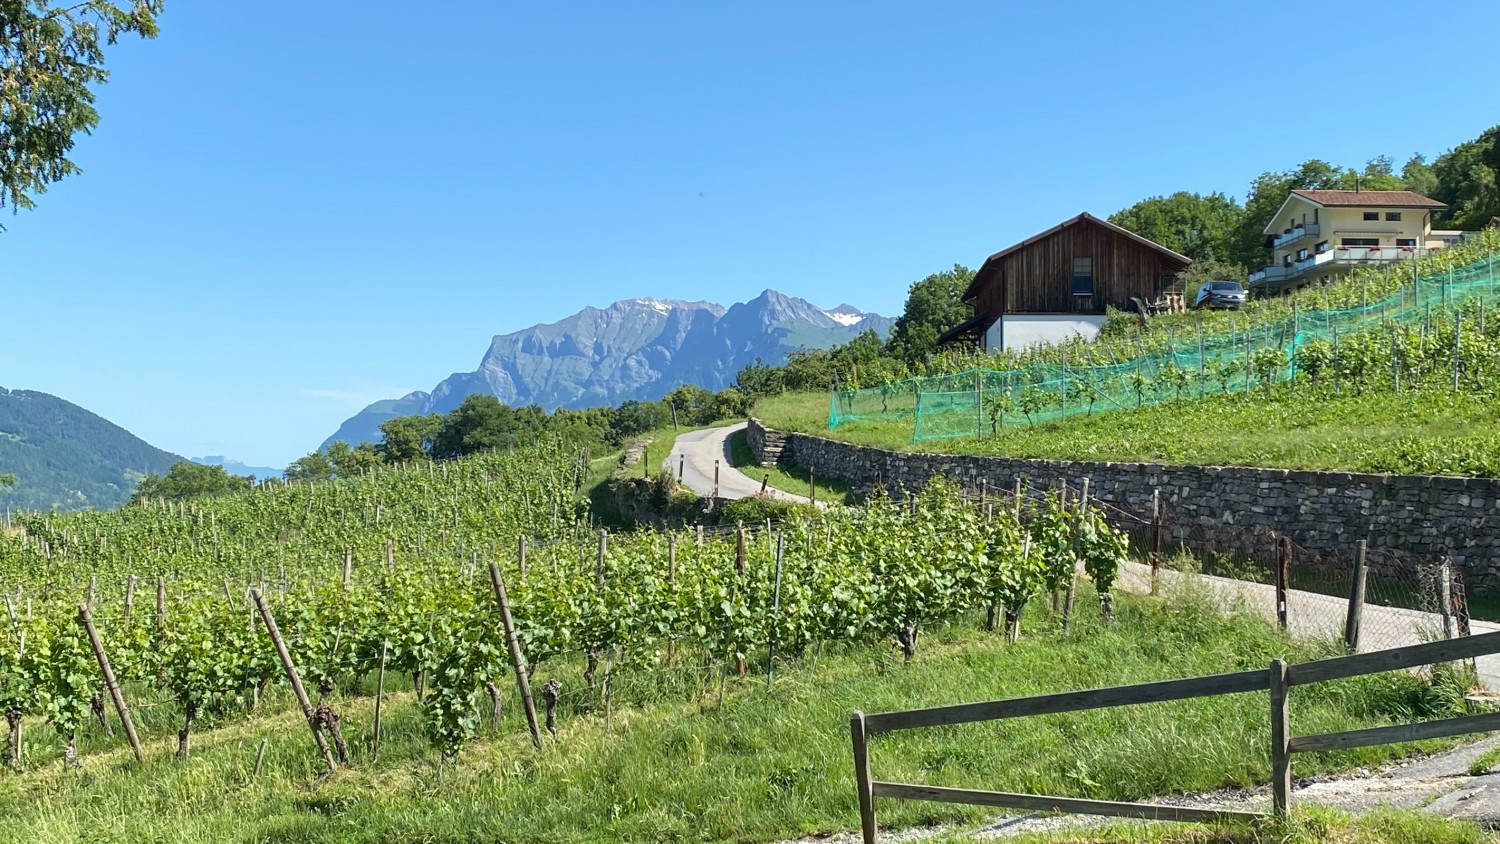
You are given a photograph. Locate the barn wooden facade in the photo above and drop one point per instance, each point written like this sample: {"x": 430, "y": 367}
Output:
{"x": 1059, "y": 282}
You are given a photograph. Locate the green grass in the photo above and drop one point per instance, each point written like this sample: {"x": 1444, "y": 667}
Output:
{"x": 608, "y": 467}
{"x": 1428, "y": 431}
{"x": 673, "y": 764}
{"x": 785, "y": 479}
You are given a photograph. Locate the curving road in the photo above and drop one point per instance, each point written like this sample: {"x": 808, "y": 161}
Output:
{"x": 694, "y": 456}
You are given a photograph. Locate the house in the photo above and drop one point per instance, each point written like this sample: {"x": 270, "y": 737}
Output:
{"x": 1058, "y": 283}
{"x": 1319, "y": 234}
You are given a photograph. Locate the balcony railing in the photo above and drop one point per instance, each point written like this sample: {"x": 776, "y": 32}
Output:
{"x": 1296, "y": 233}
{"x": 1340, "y": 255}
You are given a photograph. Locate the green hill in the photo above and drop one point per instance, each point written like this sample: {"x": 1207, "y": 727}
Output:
{"x": 66, "y": 457}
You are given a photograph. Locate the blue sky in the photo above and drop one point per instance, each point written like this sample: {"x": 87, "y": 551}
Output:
{"x": 291, "y": 209}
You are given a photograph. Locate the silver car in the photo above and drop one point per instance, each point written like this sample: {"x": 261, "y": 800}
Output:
{"x": 1221, "y": 294}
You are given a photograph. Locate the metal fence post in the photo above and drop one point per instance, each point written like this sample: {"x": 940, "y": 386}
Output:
{"x": 1282, "y": 553}
{"x": 1155, "y": 537}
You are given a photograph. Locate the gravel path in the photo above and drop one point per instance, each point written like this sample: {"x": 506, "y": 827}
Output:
{"x": 1311, "y": 615}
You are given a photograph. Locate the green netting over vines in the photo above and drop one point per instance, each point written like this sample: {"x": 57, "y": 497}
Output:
{"x": 979, "y": 401}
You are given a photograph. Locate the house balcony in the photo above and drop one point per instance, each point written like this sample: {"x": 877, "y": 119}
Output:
{"x": 1294, "y": 234}
{"x": 1277, "y": 275}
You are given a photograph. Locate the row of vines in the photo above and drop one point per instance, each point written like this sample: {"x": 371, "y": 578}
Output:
{"x": 390, "y": 573}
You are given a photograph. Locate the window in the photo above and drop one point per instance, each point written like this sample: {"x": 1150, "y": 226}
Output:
{"x": 1393, "y": 216}
{"x": 1372, "y": 215}
{"x": 1083, "y": 276}
{"x": 1406, "y": 241}
{"x": 1345, "y": 243}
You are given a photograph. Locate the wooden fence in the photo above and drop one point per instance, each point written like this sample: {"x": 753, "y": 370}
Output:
{"x": 1278, "y": 681}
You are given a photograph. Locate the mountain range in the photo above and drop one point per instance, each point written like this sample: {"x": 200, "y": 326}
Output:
{"x": 235, "y": 467}
{"x": 66, "y": 457}
{"x": 637, "y": 349}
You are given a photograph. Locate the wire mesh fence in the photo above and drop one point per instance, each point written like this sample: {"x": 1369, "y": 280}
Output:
{"x": 982, "y": 401}
{"x": 1405, "y": 599}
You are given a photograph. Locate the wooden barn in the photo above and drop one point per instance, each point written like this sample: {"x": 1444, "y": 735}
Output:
{"x": 1058, "y": 283}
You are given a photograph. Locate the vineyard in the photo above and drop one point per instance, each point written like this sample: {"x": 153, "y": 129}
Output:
{"x": 1395, "y": 327}
{"x": 390, "y": 574}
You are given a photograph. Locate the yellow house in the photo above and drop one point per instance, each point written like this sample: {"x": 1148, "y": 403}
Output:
{"x": 1319, "y": 234}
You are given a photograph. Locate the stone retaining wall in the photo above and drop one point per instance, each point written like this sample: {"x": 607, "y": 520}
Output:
{"x": 1425, "y": 516}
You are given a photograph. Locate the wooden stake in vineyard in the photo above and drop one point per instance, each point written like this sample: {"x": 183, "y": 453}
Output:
{"x": 112, "y": 685}
{"x": 313, "y": 721}
{"x": 517, "y": 659}
{"x": 739, "y": 577}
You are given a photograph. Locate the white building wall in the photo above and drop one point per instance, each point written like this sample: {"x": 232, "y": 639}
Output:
{"x": 1014, "y": 332}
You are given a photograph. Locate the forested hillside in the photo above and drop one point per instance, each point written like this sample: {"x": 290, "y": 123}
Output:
{"x": 64, "y": 456}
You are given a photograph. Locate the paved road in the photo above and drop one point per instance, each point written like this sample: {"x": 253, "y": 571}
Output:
{"x": 694, "y": 455}
{"x": 1311, "y": 615}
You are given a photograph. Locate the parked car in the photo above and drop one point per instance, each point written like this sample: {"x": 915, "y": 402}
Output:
{"x": 1221, "y": 294}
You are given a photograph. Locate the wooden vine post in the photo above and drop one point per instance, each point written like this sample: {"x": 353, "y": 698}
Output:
{"x": 291, "y": 674}
{"x": 517, "y": 659}
{"x": 775, "y": 611}
{"x": 110, "y": 683}
{"x": 739, "y": 577}
{"x": 379, "y": 696}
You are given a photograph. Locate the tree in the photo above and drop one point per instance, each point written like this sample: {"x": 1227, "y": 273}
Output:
{"x": 313, "y": 466}
{"x": 933, "y": 305}
{"x": 188, "y": 480}
{"x": 1468, "y": 179}
{"x": 1419, "y": 176}
{"x": 407, "y": 438}
{"x": 1201, "y": 227}
{"x": 350, "y": 462}
{"x": 51, "y": 58}
{"x": 7, "y": 481}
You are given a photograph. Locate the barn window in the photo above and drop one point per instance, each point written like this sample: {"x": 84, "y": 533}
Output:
{"x": 1083, "y": 276}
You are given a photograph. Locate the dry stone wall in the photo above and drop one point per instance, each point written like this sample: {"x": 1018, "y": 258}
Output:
{"x": 1424, "y": 516}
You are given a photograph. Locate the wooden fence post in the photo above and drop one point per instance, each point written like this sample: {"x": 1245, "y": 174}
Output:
{"x": 862, "y": 777}
{"x": 110, "y": 683}
{"x": 1356, "y": 597}
{"x": 291, "y": 675}
{"x": 1281, "y": 757}
{"x": 517, "y": 659}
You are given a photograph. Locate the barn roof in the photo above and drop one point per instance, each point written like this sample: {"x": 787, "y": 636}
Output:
{"x": 981, "y": 277}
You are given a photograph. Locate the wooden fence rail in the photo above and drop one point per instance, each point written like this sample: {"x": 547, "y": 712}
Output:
{"x": 1279, "y": 680}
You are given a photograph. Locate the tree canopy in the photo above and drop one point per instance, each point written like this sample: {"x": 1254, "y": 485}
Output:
{"x": 1202, "y": 227}
{"x": 51, "y": 58}
{"x": 188, "y": 480}
{"x": 933, "y": 305}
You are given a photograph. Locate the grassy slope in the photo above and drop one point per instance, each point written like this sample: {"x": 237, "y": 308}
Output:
{"x": 673, "y": 767}
{"x": 1430, "y": 431}
{"x": 786, "y": 480}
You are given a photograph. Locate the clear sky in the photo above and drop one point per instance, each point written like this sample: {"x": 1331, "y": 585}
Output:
{"x": 291, "y": 209}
